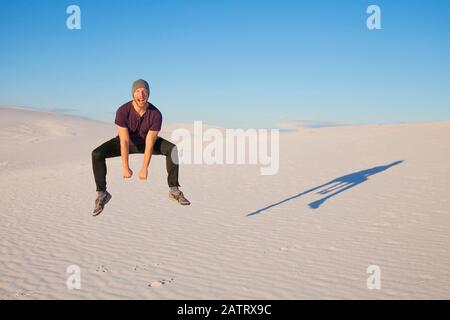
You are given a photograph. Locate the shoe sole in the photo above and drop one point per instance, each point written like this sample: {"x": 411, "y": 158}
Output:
{"x": 183, "y": 204}
{"x": 108, "y": 197}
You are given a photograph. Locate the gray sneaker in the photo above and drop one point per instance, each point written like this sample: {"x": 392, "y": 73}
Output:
{"x": 179, "y": 197}
{"x": 100, "y": 203}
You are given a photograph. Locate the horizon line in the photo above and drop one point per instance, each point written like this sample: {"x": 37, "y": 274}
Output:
{"x": 288, "y": 127}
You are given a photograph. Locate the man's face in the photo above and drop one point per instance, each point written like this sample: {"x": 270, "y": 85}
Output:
{"x": 140, "y": 97}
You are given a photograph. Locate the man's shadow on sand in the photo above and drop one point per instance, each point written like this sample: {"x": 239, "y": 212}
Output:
{"x": 339, "y": 185}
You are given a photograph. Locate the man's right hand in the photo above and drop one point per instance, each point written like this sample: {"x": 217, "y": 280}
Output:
{"x": 127, "y": 173}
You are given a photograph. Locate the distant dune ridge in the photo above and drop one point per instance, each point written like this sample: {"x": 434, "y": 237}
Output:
{"x": 345, "y": 198}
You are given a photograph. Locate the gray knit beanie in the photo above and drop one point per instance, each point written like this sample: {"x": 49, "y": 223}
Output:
{"x": 140, "y": 83}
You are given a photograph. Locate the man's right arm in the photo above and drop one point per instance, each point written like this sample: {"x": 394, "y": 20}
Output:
{"x": 124, "y": 146}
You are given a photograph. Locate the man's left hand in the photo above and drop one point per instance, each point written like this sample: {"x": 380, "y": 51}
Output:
{"x": 143, "y": 174}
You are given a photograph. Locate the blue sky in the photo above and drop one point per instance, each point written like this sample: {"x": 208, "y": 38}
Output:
{"x": 237, "y": 63}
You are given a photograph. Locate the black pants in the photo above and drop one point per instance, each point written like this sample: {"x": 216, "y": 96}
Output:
{"x": 111, "y": 149}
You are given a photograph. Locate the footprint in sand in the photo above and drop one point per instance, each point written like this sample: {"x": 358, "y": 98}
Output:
{"x": 146, "y": 267}
{"x": 18, "y": 295}
{"x": 138, "y": 267}
{"x": 101, "y": 268}
{"x": 159, "y": 283}
{"x": 156, "y": 264}
{"x": 289, "y": 248}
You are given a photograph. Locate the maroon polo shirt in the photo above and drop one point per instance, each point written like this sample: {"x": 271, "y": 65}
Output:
{"x": 138, "y": 127}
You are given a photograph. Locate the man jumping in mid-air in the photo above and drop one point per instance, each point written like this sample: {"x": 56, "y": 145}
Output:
{"x": 138, "y": 122}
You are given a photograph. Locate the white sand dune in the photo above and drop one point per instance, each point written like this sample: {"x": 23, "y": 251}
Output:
{"x": 245, "y": 236}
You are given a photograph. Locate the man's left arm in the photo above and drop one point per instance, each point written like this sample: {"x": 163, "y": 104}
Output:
{"x": 149, "y": 143}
